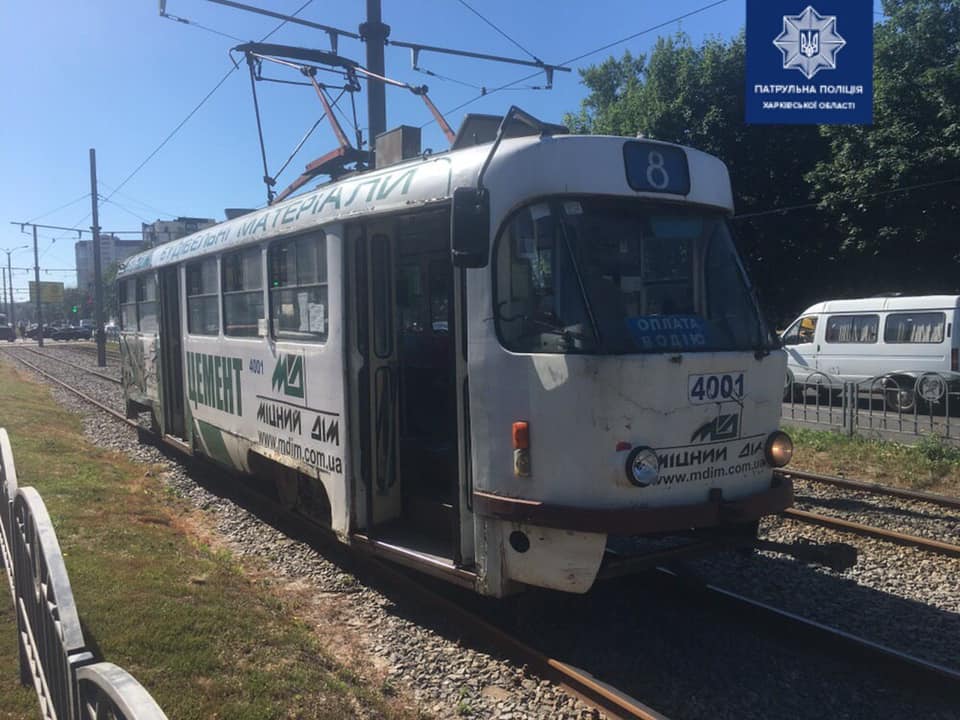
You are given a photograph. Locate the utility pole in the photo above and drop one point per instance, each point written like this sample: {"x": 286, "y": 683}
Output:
{"x": 97, "y": 276}
{"x": 5, "y": 305}
{"x": 375, "y": 34}
{"x": 11, "y": 310}
{"x": 36, "y": 279}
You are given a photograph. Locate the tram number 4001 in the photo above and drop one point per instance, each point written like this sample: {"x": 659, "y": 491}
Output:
{"x": 715, "y": 388}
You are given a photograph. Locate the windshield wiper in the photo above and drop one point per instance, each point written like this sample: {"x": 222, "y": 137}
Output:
{"x": 564, "y": 233}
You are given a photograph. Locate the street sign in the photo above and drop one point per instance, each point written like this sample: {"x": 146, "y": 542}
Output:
{"x": 50, "y": 292}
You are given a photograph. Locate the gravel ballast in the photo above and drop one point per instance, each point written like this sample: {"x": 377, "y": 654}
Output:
{"x": 683, "y": 658}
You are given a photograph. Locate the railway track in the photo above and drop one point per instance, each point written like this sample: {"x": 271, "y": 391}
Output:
{"x": 594, "y": 692}
{"x": 809, "y": 631}
{"x": 900, "y": 538}
{"x": 576, "y": 681}
{"x": 82, "y": 346}
{"x": 875, "y": 488}
{"x": 834, "y": 523}
{"x": 101, "y": 375}
{"x": 83, "y": 396}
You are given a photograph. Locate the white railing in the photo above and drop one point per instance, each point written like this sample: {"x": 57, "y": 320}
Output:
{"x": 54, "y": 656}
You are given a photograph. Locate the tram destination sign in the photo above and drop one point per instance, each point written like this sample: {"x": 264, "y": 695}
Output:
{"x": 809, "y": 62}
{"x": 653, "y": 167}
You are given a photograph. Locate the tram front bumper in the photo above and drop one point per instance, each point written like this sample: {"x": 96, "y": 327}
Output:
{"x": 715, "y": 512}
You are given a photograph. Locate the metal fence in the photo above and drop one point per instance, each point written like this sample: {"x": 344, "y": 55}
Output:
{"x": 902, "y": 406}
{"x": 8, "y": 491}
{"x": 54, "y": 657}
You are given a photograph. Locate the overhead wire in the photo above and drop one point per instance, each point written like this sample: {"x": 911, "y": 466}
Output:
{"x": 607, "y": 46}
{"x": 135, "y": 201}
{"x": 446, "y": 78}
{"x": 295, "y": 13}
{"x": 199, "y": 105}
{"x": 187, "y": 21}
{"x": 61, "y": 207}
{"x": 126, "y": 210}
{"x": 307, "y": 135}
{"x": 881, "y": 193}
{"x": 173, "y": 132}
{"x": 499, "y": 30}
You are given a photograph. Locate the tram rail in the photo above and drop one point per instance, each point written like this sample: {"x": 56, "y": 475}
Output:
{"x": 589, "y": 689}
{"x": 833, "y": 523}
{"x": 596, "y": 693}
{"x": 806, "y": 630}
{"x": 83, "y": 396}
{"x": 871, "y": 487}
{"x": 901, "y": 538}
{"x": 91, "y": 371}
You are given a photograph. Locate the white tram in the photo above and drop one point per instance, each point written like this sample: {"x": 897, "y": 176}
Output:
{"x": 501, "y": 364}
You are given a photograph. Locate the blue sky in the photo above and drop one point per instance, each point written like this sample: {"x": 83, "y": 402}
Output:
{"x": 114, "y": 75}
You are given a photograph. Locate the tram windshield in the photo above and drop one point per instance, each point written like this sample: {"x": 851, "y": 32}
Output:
{"x": 619, "y": 276}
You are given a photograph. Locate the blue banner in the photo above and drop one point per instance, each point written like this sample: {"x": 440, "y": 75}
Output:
{"x": 668, "y": 332}
{"x": 810, "y": 62}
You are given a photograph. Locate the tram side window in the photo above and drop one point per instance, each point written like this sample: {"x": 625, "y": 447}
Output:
{"x": 128, "y": 304}
{"x": 298, "y": 288}
{"x": 147, "y": 302}
{"x": 242, "y": 292}
{"x": 202, "y": 315}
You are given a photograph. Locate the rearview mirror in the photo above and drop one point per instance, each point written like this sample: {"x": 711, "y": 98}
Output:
{"x": 470, "y": 228}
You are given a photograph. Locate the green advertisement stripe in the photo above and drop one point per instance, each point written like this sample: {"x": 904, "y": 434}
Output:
{"x": 213, "y": 439}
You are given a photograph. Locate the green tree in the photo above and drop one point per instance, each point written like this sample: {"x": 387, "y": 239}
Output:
{"x": 72, "y": 298}
{"x": 111, "y": 307}
{"x": 905, "y": 241}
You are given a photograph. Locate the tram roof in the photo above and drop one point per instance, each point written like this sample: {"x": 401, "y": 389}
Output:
{"x": 431, "y": 179}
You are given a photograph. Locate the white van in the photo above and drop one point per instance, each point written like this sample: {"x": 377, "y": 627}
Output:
{"x": 899, "y": 339}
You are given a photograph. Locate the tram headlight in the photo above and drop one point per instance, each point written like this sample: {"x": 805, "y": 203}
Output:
{"x": 643, "y": 466}
{"x": 778, "y": 449}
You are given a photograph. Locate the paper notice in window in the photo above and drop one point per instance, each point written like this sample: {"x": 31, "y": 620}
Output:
{"x": 303, "y": 301}
{"x": 317, "y": 318}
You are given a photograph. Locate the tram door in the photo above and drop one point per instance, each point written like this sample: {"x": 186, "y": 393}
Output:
{"x": 412, "y": 388}
{"x": 171, "y": 353}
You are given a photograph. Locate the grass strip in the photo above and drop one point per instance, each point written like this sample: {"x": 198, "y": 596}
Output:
{"x": 930, "y": 464}
{"x": 206, "y": 639}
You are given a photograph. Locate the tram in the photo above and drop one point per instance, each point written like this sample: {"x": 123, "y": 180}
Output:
{"x": 500, "y": 364}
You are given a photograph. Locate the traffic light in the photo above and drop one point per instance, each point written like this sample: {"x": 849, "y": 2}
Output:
{"x": 74, "y": 308}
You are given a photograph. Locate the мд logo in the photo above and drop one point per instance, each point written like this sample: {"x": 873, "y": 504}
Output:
{"x": 722, "y": 427}
{"x": 288, "y": 374}
{"x": 809, "y": 42}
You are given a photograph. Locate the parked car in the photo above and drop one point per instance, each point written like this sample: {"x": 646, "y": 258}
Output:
{"x": 905, "y": 347}
{"x": 34, "y": 331}
{"x": 72, "y": 333}
{"x": 8, "y": 333}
